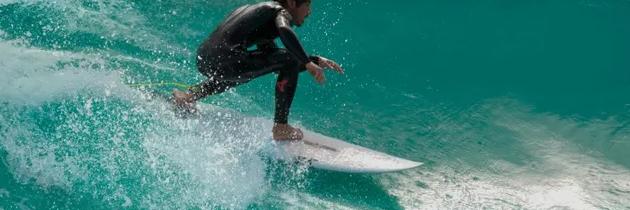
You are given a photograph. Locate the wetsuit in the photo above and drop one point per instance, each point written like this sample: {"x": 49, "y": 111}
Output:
{"x": 225, "y": 59}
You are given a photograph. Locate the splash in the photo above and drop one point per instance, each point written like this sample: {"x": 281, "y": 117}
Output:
{"x": 69, "y": 123}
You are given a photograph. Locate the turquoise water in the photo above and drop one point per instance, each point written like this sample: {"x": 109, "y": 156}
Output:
{"x": 510, "y": 105}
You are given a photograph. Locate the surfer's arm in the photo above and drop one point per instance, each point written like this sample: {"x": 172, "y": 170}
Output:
{"x": 270, "y": 45}
{"x": 289, "y": 38}
{"x": 291, "y": 42}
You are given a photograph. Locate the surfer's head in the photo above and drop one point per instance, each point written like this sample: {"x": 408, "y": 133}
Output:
{"x": 299, "y": 9}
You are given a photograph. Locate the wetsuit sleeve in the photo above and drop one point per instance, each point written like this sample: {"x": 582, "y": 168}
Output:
{"x": 289, "y": 38}
{"x": 314, "y": 58}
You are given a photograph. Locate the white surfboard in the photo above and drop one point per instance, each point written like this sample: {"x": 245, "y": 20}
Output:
{"x": 328, "y": 153}
{"x": 317, "y": 150}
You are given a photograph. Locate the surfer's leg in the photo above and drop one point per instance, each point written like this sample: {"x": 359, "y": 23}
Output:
{"x": 253, "y": 65}
{"x": 286, "y": 84}
{"x": 186, "y": 100}
{"x": 288, "y": 67}
{"x": 285, "y": 64}
{"x": 215, "y": 70}
{"x": 210, "y": 87}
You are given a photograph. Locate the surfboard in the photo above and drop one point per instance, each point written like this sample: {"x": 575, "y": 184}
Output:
{"x": 323, "y": 152}
{"x": 316, "y": 150}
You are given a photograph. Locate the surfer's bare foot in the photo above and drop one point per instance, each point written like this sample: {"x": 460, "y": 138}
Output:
{"x": 284, "y": 132}
{"x": 184, "y": 101}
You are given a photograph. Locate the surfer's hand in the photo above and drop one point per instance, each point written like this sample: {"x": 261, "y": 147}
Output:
{"x": 327, "y": 63}
{"x": 316, "y": 71}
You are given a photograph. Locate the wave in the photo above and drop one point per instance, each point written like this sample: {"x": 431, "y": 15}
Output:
{"x": 525, "y": 160}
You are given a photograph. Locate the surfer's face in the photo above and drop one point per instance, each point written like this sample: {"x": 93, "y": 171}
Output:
{"x": 299, "y": 13}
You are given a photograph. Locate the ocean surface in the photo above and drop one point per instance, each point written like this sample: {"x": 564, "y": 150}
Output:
{"x": 510, "y": 105}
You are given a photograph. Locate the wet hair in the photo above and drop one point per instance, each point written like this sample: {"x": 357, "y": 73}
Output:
{"x": 297, "y": 2}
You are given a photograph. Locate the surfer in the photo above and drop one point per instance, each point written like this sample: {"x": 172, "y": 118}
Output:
{"x": 224, "y": 57}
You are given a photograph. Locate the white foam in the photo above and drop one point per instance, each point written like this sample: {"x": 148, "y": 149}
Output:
{"x": 216, "y": 154}
{"x": 208, "y": 162}
{"x": 33, "y": 76}
{"x": 560, "y": 176}
{"x": 298, "y": 200}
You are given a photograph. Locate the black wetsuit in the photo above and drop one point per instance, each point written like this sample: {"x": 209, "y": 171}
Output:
{"x": 225, "y": 59}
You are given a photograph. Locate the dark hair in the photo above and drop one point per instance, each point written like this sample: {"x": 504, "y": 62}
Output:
{"x": 297, "y": 2}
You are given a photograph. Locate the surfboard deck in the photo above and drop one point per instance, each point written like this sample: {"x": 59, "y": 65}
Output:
{"x": 323, "y": 152}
